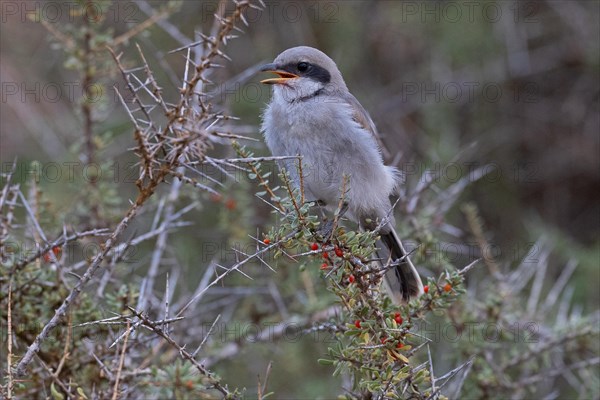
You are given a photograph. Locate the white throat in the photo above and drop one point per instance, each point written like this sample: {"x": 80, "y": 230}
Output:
{"x": 297, "y": 89}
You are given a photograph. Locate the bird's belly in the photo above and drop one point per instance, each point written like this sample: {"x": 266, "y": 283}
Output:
{"x": 332, "y": 147}
{"x": 321, "y": 176}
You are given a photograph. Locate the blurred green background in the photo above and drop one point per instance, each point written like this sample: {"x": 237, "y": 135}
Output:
{"x": 451, "y": 86}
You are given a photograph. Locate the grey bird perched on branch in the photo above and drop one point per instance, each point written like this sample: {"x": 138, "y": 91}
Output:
{"x": 312, "y": 114}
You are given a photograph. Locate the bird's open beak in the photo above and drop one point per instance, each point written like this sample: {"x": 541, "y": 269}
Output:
{"x": 284, "y": 76}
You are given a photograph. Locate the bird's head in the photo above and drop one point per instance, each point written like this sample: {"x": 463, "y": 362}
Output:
{"x": 303, "y": 72}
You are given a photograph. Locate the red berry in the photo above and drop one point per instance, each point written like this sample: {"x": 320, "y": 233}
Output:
{"x": 324, "y": 266}
{"x": 338, "y": 252}
{"x": 426, "y": 288}
{"x": 56, "y": 250}
{"x": 230, "y": 204}
{"x": 357, "y": 323}
{"x": 314, "y": 247}
{"x": 399, "y": 345}
{"x": 398, "y": 318}
{"x": 326, "y": 255}
{"x": 266, "y": 240}
{"x": 351, "y": 279}
{"x": 447, "y": 287}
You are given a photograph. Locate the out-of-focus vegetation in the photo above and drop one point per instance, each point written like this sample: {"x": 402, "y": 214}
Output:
{"x": 489, "y": 108}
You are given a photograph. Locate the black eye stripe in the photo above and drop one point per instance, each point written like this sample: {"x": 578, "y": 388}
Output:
{"x": 319, "y": 73}
{"x": 314, "y": 71}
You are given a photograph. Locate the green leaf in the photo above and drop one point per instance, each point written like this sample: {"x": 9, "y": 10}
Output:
{"x": 56, "y": 395}
{"x": 81, "y": 393}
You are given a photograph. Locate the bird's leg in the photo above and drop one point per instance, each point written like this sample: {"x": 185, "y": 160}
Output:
{"x": 328, "y": 226}
{"x": 343, "y": 210}
{"x": 320, "y": 204}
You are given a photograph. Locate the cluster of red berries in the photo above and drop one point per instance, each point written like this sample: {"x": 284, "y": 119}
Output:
{"x": 56, "y": 250}
{"x": 398, "y": 346}
{"x": 230, "y": 203}
{"x": 338, "y": 252}
{"x": 315, "y": 247}
{"x": 447, "y": 288}
{"x": 398, "y": 318}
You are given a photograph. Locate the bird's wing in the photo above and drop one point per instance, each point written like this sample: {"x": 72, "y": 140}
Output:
{"x": 361, "y": 116}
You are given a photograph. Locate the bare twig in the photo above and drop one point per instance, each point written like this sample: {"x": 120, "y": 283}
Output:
{"x": 115, "y": 394}
{"x": 262, "y": 388}
{"x": 9, "y": 385}
{"x": 61, "y": 241}
{"x": 185, "y": 354}
{"x": 87, "y": 276}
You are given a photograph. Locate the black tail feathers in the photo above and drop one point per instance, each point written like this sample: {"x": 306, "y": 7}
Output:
{"x": 402, "y": 281}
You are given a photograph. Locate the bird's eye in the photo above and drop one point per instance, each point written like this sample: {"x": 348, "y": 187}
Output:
{"x": 302, "y": 66}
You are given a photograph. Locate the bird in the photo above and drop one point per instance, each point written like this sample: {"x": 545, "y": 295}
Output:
{"x": 312, "y": 114}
